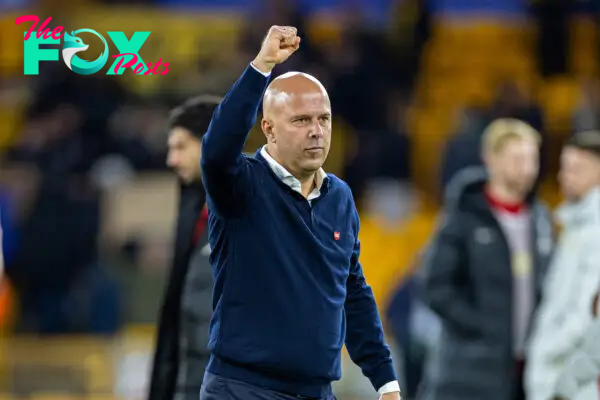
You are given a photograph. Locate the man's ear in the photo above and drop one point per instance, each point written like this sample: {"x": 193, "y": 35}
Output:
{"x": 267, "y": 128}
{"x": 486, "y": 158}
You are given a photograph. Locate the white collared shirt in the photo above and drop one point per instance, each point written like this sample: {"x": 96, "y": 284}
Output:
{"x": 290, "y": 180}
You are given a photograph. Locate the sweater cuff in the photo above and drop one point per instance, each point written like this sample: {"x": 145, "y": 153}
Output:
{"x": 390, "y": 387}
{"x": 265, "y": 74}
{"x": 383, "y": 376}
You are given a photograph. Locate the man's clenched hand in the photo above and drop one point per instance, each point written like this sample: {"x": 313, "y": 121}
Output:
{"x": 279, "y": 44}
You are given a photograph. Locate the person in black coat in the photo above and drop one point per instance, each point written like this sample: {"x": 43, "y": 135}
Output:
{"x": 484, "y": 268}
{"x": 181, "y": 349}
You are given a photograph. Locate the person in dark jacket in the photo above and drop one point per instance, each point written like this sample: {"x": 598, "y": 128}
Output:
{"x": 484, "y": 269}
{"x": 181, "y": 351}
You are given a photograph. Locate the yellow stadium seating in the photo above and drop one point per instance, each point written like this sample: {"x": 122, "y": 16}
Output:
{"x": 558, "y": 98}
{"x": 55, "y": 396}
{"x": 323, "y": 29}
{"x": 462, "y": 65}
{"x": 11, "y": 45}
{"x": 583, "y": 32}
{"x": 388, "y": 252}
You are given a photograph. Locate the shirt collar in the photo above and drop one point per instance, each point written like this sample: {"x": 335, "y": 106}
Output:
{"x": 287, "y": 177}
{"x": 584, "y": 211}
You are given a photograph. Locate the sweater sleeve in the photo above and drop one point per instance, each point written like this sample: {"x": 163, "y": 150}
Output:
{"x": 365, "y": 340}
{"x": 225, "y": 170}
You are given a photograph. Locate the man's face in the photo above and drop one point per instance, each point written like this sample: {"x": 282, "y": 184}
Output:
{"x": 301, "y": 128}
{"x": 516, "y": 165}
{"x": 184, "y": 154}
{"x": 579, "y": 172}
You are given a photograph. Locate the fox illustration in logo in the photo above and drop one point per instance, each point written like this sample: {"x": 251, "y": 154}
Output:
{"x": 73, "y": 44}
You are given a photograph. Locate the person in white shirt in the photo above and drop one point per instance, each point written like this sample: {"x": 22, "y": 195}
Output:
{"x": 555, "y": 364}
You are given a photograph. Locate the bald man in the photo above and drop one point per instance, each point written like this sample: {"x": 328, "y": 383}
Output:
{"x": 289, "y": 290}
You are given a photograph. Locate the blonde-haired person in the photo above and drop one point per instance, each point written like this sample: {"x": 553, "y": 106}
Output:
{"x": 499, "y": 132}
{"x": 484, "y": 267}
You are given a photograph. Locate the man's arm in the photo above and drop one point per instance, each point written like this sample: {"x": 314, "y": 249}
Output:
{"x": 365, "y": 340}
{"x": 443, "y": 264}
{"x": 583, "y": 367}
{"x": 225, "y": 171}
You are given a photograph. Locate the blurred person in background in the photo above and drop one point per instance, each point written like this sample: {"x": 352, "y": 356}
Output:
{"x": 182, "y": 345}
{"x": 564, "y": 316}
{"x": 62, "y": 285}
{"x": 586, "y": 116}
{"x": 483, "y": 270}
{"x": 463, "y": 148}
{"x": 414, "y": 327}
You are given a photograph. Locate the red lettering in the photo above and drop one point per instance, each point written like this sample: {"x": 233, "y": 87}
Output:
{"x": 155, "y": 70}
{"x": 28, "y": 18}
{"x": 56, "y": 33}
{"x": 166, "y": 71}
{"x": 41, "y": 31}
{"x": 138, "y": 68}
{"x": 130, "y": 63}
{"x": 149, "y": 71}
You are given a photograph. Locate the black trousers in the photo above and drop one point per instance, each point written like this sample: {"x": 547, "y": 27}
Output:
{"x": 519, "y": 388}
{"x": 219, "y": 388}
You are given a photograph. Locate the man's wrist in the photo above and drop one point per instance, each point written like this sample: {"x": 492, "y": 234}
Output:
{"x": 390, "y": 387}
{"x": 262, "y": 67}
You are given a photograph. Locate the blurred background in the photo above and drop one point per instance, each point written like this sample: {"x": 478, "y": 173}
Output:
{"x": 88, "y": 205}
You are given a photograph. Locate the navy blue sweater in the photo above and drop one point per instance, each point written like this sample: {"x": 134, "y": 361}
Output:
{"x": 288, "y": 294}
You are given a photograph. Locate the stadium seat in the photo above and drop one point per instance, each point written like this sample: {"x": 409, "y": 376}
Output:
{"x": 389, "y": 251}
{"x": 54, "y": 396}
{"x": 9, "y": 116}
{"x": 461, "y": 66}
{"x": 11, "y": 45}
{"x": 558, "y": 98}
{"x": 583, "y": 33}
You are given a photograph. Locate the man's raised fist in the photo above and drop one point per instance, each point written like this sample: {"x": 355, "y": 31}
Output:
{"x": 279, "y": 44}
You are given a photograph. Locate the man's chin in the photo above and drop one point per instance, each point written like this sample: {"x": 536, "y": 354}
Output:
{"x": 523, "y": 189}
{"x": 313, "y": 165}
{"x": 184, "y": 178}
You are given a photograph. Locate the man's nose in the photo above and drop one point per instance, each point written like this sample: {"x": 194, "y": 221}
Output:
{"x": 316, "y": 130}
{"x": 171, "y": 161}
